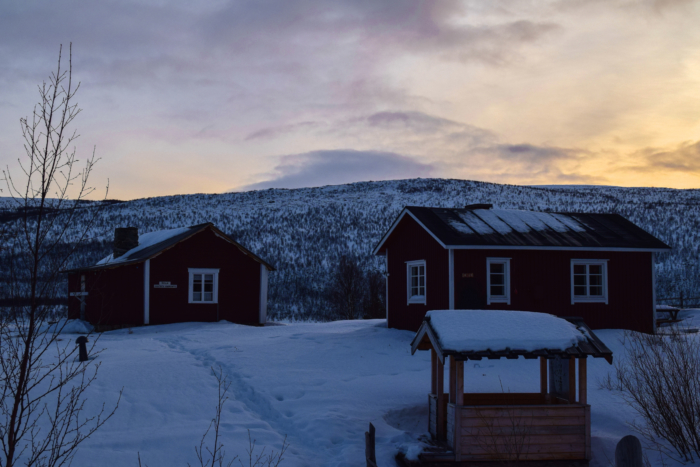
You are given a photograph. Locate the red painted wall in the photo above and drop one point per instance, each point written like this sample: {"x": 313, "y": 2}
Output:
{"x": 410, "y": 242}
{"x": 239, "y": 282}
{"x": 540, "y": 281}
{"x": 116, "y": 295}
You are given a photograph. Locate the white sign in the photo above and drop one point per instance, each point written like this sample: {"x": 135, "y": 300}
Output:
{"x": 164, "y": 285}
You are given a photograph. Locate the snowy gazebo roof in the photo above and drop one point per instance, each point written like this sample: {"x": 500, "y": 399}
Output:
{"x": 494, "y": 334}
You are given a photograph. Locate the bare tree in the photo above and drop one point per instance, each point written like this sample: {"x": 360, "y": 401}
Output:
{"x": 374, "y": 301}
{"x": 44, "y": 388}
{"x": 346, "y": 289}
{"x": 660, "y": 380}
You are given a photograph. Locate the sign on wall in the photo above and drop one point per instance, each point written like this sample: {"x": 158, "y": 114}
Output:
{"x": 164, "y": 285}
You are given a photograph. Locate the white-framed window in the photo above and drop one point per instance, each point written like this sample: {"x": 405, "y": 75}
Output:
{"x": 589, "y": 280}
{"x": 415, "y": 281}
{"x": 204, "y": 286}
{"x": 497, "y": 280}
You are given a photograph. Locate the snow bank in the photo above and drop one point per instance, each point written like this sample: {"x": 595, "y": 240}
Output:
{"x": 68, "y": 326}
{"x": 145, "y": 241}
{"x": 496, "y": 330}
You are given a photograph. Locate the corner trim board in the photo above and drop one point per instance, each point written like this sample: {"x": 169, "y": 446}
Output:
{"x": 146, "y": 291}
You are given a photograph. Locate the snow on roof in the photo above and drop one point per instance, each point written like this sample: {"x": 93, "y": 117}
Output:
{"x": 666, "y": 307}
{"x": 145, "y": 241}
{"x": 505, "y": 221}
{"x": 498, "y": 330}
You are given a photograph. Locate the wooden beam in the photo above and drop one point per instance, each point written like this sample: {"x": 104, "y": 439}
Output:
{"x": 572, "y": 380}
{"x": 543, "y": 375}
{"x": 582, "y": 383}
{"x": 459, "y": 402}
{"x": 433, "y": 371}
{"x": 453, "y": 379}
{"x": 459, "y": 380}
{"x": 440, "y": 387}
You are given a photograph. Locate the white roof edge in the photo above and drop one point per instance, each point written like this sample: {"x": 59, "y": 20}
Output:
{"x": 396, "y": 222}
{"x": 561, "y": 248}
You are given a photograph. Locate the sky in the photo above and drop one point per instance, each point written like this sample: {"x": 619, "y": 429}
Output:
{"x": 206, "y": 97}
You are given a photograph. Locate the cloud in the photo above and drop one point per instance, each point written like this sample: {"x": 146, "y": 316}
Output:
{"x": 684, "y": 158}
{"x": 275, "y": 131}
{"x": 334, "y": 167}
{"x": 529, "y": 154}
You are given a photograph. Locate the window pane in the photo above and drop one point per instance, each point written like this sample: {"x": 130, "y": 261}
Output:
{"x": 414, "y": 281}
{"x": 497, "y": 279}
{"x": 421, "y": 290}
{"x": 421, "y": 270}
{"x": 498, "y": 290}
{"x": 421, "y": 281}
{"x": 580, "y": 280}
{"x": 197, "y": 288}
{"x": 597, "y": 290}
{"x": 595, "y": 269}
{"x": 497, "y": 267}
{"x": 596, "y": 280}
{"x": 580, "y": 290}
{"x": 579, "y": 269}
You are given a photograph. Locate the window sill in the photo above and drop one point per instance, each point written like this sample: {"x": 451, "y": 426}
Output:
{"x": 589, "y": 300}
{"x": 203, "y": 303}
{"x": 498, "y": 300}
{"x": 414, "y": 301}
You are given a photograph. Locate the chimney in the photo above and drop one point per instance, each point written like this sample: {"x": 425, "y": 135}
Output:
{"x": 125, "y": 238}
{"x": 478, "y": 206}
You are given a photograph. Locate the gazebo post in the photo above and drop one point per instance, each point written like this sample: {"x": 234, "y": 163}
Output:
{"x": 440, "y": 388}
{"x": 459, "y": 402}
{"x": 433, "y": 371}
{"x": 582, "y": 383}
{"x": 543, "y": 375}
{"x": 572, "y": 380}
{"x": 453, "y": 380}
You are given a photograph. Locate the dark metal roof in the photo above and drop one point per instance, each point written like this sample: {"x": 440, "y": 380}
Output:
{"x": 426, "y": 339}
{"x": 484, "y": 228}
{"x": 135, "y": 255}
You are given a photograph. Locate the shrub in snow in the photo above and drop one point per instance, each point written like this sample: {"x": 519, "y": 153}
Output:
{"x": 660, "y": 380}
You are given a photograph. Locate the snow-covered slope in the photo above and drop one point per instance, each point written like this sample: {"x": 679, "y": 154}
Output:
{"x": 304, "y": 232}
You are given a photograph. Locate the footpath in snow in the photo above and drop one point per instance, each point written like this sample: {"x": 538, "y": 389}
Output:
{"x": 320, "y": 384}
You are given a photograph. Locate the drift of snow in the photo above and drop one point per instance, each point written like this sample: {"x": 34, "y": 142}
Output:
{"x": 68, "y": 326}
{"x": 496, "y": 330}
{"x": 145, "y": 241}
{"x": 505, "y": 221}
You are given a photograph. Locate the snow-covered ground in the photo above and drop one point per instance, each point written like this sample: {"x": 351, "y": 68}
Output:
{"x": 318, "y": 383}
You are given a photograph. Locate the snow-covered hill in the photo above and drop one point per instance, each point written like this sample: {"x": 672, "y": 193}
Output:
{"x": 303, "y": 232}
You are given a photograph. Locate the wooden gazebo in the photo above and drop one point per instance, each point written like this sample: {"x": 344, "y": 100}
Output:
{"x": 552, "y": 425}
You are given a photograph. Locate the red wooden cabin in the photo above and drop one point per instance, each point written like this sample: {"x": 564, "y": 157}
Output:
{"x": 194, "y": 273}
{"x": 596, "y": 266}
